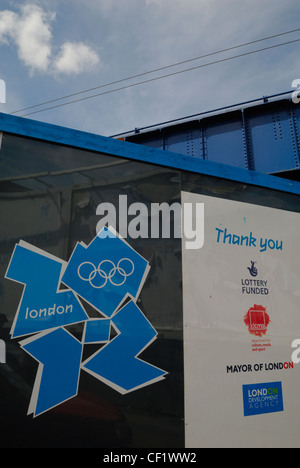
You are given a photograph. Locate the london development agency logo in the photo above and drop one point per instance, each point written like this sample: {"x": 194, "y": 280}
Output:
{"x": 263, "y": 398}
{"x": 108, "y": 274}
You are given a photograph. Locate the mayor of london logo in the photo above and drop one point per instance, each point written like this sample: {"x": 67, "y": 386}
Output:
{"x": 108, "y": 275}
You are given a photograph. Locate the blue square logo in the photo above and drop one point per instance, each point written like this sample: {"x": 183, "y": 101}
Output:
{"x": 262, "y": 398}
{"x": 106, "y": 272}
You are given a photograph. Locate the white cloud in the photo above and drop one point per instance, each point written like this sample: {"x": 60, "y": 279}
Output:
{"x": 30, "y": 31}
{"x": 7, "y": 25}
{"x": 33, "y": 38}
{"x": 75, "y": 58}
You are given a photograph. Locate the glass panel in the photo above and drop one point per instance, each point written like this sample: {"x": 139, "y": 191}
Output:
{"x": 48, "y": 197}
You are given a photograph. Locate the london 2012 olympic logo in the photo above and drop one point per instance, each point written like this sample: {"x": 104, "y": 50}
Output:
{"x": 106, "y": 271}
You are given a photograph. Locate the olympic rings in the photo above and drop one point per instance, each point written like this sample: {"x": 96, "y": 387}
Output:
{"x": 106, "y": 270}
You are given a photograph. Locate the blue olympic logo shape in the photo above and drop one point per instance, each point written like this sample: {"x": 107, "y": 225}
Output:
{"x": 106, "y": 271}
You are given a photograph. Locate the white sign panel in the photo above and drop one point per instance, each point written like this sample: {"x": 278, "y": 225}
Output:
{"x": 241, "y": 297}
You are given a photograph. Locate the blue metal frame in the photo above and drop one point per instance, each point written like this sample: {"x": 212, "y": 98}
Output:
{"x": 199, "y": 115}
{"x": 92, "y": 142}
{"x": 262, "y": 136}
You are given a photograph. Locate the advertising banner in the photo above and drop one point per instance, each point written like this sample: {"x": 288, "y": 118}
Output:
{"x": 241, "y": 315}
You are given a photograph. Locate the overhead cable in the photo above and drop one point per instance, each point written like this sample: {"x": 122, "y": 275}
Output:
{"x": 154, "y": 78}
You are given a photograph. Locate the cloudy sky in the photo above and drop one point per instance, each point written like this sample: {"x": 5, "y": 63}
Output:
{"x": 54, "y": 48}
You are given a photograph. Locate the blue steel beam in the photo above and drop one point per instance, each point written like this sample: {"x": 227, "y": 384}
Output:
{"x": 262, "y": 137}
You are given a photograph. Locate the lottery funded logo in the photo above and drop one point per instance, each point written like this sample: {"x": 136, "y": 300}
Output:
{"x": 253, "y": 285}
